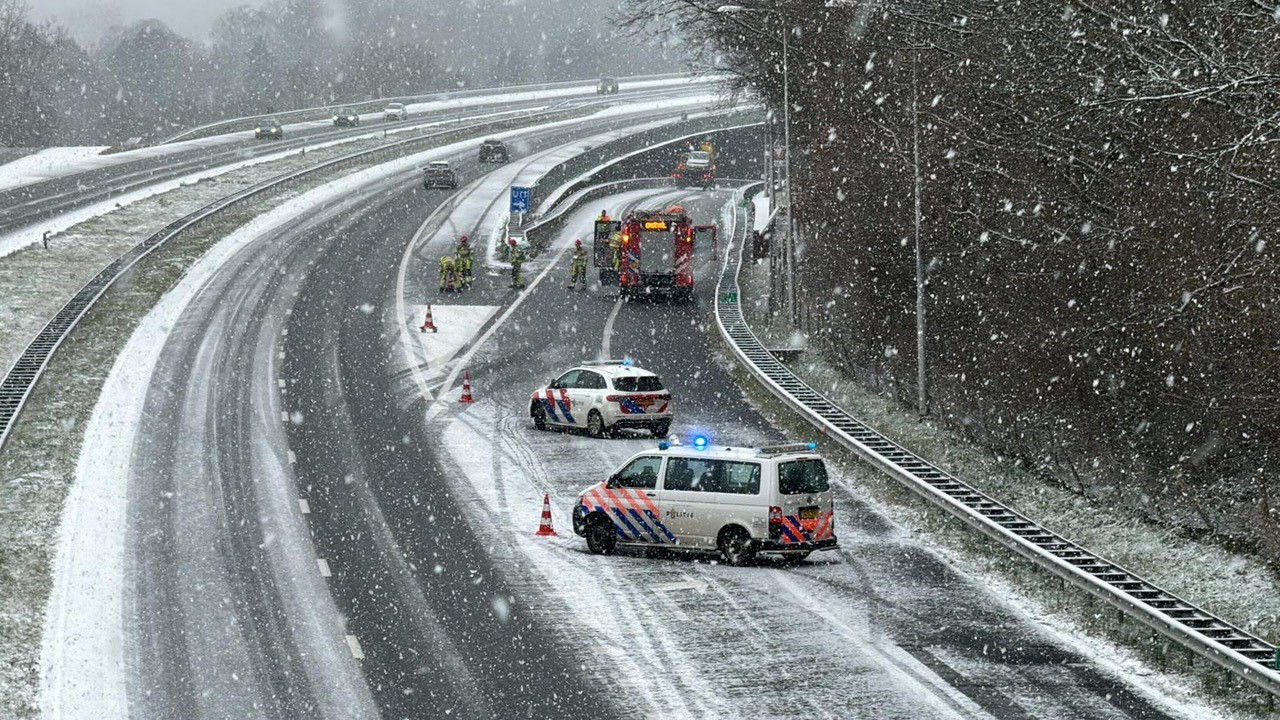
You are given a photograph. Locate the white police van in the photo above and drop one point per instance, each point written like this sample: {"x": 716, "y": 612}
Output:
{"x": 735, "y": 501}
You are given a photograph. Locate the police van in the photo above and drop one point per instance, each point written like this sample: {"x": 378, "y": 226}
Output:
{"x": 734, "y": 501}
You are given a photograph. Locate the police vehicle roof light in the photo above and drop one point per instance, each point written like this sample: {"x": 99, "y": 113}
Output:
{"x": 700, "y": 442}
{"x": 664, "y": 445}
{"x": 813, "y": 445}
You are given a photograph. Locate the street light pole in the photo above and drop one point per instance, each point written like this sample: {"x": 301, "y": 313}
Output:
{"x": 789, "y": 261}
{"x": 791, "y": 220}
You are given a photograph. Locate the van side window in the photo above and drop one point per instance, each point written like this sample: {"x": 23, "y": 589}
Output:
{"x": 802, "y": 477}
{"x": 641, "y": 473}
{"x": 722, "y": 476}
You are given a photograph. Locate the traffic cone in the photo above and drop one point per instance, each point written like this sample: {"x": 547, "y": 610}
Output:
{"x": 466, "y": 388}
{"x": 544, "y": 527}
{"x": 428, "y": 324}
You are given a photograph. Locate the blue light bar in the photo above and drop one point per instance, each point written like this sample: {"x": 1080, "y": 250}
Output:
{"x": 700, "y": 442}
{"x": 664, "y": 445}
{"x": 813, "y": 445}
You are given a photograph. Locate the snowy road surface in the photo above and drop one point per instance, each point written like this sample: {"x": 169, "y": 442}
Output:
{"x": 317, "y": 528}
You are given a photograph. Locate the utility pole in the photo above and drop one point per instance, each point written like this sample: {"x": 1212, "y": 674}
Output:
{"x": 922, "y": 398}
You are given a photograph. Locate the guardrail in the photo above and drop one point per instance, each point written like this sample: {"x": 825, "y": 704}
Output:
{"x": 1239, "y": 652}
{"x": 376, "y": 103}
{"x": 17, "y": 385}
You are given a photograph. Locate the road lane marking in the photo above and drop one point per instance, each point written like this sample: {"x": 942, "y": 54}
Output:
{"x": 304, "y": 507}
{"x": 324, "y": 567}
{"x": 608, "y": 330}
{"x": 281, "y": 383}
{"x": 292, "y": 458}
{"x": 354, "y": 646}
{"x": 281, "y": 356}
{"x": 284, "y": 415}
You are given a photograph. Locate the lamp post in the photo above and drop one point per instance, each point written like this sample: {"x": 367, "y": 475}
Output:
{"x": 789, "y": 263}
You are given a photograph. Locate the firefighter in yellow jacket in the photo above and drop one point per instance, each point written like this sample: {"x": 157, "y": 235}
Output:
{"x": 615, "y": 249}
{"x": 463, "y": 262}
{"x": 447, "y": 277}
{"x": 578, "y": 266}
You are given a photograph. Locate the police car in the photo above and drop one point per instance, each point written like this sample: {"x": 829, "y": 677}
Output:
{"x": 734, "y": 501}
{"x": 602, "y": 398}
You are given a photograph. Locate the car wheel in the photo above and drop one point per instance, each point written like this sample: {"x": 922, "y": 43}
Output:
{"x": 736, "y": 547}
{"x": 539, "y": 414}
{"x": 601, "y": 537}
{"x": 661, "y": 430}
{"x": 595, "y": 425}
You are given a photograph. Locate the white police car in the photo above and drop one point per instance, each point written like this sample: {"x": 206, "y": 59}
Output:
{"x": 734, "y": 501}
{"x": 602, "y": 398}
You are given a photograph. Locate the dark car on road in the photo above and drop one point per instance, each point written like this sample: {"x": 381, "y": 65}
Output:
{"x": 346, "y": 117}
{"x": 494, "y": 151}
{"x": 268, "y": 129}
{"x": 439, "y": 174}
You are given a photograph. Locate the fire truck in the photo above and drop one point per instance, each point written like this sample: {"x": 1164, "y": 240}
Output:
{"x": 657, "y": 253}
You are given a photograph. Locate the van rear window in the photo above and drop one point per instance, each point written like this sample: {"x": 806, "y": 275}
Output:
{"x": 642, "y": 383}
{"x": 802, "y": 477}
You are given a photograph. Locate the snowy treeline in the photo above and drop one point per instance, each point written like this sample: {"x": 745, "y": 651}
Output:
{"x": 144, "y": 79}
{"x": 1100, "y": 196}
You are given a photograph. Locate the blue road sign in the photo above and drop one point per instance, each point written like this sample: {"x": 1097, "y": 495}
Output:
{"x": 519, "y": 199}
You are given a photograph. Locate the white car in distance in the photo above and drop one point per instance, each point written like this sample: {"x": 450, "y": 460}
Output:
{"x": 395, "y": 111}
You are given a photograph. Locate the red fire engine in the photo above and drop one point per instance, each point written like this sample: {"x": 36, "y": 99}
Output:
{"x": 657, "y": 253}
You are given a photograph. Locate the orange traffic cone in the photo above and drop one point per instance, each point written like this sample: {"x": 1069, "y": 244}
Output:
{"x": 466, "y": 388}
{"x": 544, "y": 527}
{"x": 428, "y": 324}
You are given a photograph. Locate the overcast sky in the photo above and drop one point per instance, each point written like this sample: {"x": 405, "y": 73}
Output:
{"x": 88, "y": 18}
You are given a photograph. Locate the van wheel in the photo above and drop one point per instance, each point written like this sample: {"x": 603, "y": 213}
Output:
{"x": 736, "y": 547}
{"x": 601, "y": 538}
{"x": 539, "y": 415}
{"x": 595, "y": 425}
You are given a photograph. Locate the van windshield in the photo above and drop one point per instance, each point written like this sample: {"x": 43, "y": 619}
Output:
{"x": 802, "y": 477}
{"x": 643, "y": 383}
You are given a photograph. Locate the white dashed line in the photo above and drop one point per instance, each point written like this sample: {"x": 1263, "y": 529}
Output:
{"x": 284, "y": 415}
{"x": 281, "y": 355}
{"x": 281, "y": 383}
{"x": 304, "y": 507}
{"x": 324, "y": 567}
{"x": 354, "y": 645}
{"x": 292, "y": 458}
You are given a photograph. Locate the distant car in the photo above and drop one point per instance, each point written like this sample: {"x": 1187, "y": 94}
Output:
{"x": 268, "y": 129}
{"x": 346, "y": 117}
{"x": 395, "y": 111}
{"x": 607, "y": 86}
{"x": 439, "y": 174}
{"x": 603, "y": 398}
{"x": 494, "y": 151}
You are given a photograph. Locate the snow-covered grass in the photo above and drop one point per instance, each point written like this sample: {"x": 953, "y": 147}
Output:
{"x": 1236, "y": 587}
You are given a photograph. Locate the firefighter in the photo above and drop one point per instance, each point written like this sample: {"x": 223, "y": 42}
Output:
{"x": 463, "y": 262}
{"x": 578, "y": 266}
{"x": 604, "y": 216}
{"x": 615, "y": 248}
{"x": 517, "y": 265}
{"x": 447, "y": 276}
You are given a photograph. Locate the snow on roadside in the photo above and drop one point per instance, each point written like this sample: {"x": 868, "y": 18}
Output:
{"x": 46, "y": 164}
